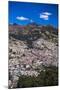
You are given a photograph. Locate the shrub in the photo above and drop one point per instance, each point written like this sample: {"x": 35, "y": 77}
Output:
{"x": 49, "y": 77}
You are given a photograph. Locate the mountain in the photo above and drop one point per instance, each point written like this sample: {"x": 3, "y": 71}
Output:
{"x": 33, "y": 31}
{"x": 33, "y": 53}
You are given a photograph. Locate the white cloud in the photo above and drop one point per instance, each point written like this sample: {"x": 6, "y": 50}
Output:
{"x": 31, "y": 21}
{"x": 45, "y": 15}
{"x": 22, "y": 18}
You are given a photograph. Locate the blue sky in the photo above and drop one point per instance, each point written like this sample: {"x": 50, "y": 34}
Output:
{"x": 23, "y": 13}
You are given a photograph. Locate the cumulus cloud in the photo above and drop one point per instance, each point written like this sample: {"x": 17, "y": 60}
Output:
{"x": 31, "y": 21}
{"x": 22, "y": 18}
{"x": 45, "y": 15}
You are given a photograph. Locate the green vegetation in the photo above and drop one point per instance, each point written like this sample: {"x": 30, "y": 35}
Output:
{"x": 49, "y": 77}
